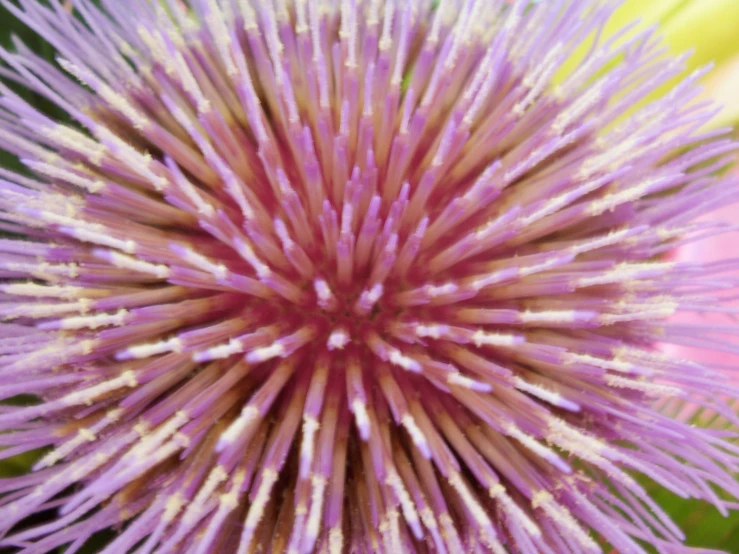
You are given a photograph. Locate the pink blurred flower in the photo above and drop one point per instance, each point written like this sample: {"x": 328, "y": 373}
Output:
{"x": 718, "y": 250}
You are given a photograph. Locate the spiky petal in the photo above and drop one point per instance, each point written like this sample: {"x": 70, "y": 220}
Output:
{"x": 351, "y": 276}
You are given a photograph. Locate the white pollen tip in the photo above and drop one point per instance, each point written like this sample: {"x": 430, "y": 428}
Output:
{"x": 432, "y": 331}
{"x": 359, "y": 409}
{"x": 218, "y": 352}
{"x": 266, "y": 353}
{"x": 308, "y": 445}
{"x": 546, "y": 395}
{"x": 416, "y": 435}
{"x": 441, "y": 290}
{"x": 466, "y": 382}
{"x": 400, "y": 360}
{"x": 368, "y": 299}
{"x": 338, "y": 339}
{"x": 325, "y": 298}
{"x": 146, "y": 350}
{"x": 481, "y": 338}
{"x": 230, "y": 435}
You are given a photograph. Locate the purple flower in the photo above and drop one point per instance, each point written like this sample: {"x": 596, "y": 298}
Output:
{"x": 361, "y": 276}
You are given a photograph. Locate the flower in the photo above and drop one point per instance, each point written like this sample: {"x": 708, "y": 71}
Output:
{"x": 352, "y": 276}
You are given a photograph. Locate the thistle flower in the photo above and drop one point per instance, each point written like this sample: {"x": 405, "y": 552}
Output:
{"x": 352, "y": 277}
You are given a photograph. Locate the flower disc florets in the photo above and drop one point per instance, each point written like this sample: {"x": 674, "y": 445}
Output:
{"x": 361, "y": 276}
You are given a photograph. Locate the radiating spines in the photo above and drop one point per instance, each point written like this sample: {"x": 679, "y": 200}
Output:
{"x": 353, "y": 275}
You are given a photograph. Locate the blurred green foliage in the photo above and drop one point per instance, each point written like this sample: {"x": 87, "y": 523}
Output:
{"x": 703, "y": 525}
{"x": 10, "y": 25}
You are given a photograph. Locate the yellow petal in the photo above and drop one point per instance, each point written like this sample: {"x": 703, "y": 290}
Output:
{"x": 710, "y": 27}
{"x": 722, "y": 86}
{"x": 649, "y": 13}
{"x": 631, "y": 11}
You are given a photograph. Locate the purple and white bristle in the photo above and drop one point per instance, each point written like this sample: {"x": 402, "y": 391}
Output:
{"x": 354, "y": 276}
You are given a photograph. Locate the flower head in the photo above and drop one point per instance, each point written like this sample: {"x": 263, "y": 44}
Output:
{"x": 351, "y": 276}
